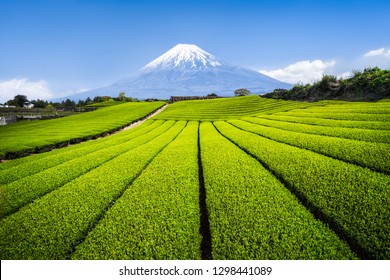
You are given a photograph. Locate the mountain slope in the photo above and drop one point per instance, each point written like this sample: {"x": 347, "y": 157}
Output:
{"x": 187, "y": 70}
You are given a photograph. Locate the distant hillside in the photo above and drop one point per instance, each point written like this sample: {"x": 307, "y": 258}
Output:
{"x": 369, "y": 85}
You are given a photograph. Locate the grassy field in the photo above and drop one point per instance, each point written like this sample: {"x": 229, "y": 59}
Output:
{"x": 227, "y": 108}
{"x": 234, "y": 178}
{"x": 27, "y": 137}
{"x": 110, "y": 102}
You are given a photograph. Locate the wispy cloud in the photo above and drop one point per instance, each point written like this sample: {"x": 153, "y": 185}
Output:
{"x": 382, "y": 52}
{"x": 305, "y": 71}
{"x": 378, "y": 57}
{"x": 377, "y": 52}
{"x": 33, "y": 90}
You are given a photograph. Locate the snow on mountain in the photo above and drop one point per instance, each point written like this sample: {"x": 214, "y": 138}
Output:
{"x": 183, "y": 57}
{"x": 187, "y": 70}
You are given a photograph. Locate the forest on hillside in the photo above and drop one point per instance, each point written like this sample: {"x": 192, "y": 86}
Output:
{"x": 371, "y": 84}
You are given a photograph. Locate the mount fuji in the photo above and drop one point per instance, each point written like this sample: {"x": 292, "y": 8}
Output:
{"x": 187, "y": 70}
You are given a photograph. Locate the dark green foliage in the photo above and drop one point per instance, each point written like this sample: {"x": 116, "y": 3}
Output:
{"x": 97, "y": 99}
{"x": 18, "y": 101}
{"x": 241, "y": 92}
{"x": 39, "y": 103}
{"x": 121, "y": 96}
{"x": 368, "y": 85}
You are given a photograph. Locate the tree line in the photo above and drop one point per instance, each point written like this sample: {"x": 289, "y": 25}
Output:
{"x": 20, "y": 101}
{"x": 371, "y": 84}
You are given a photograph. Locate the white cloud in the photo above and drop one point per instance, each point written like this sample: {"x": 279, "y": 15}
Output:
{"x": 33, "y": 90}
{"x": 345, "y": 75}
{"x": 301, "y": 72}
{"x": 373, "y": 58}
{"x": 377, "y": 52}
{"x": 382, "y": 52}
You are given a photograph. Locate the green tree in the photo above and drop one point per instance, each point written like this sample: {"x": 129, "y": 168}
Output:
{"x": 51, "y": 109}
{"x": 39, "y": 103}
{"x": 88, "y": 101}
{"x": 18, "y": 101}
{"x": 81, "y": 103}
{"x": 69, "y": 104}
{"x": 241, "y": 92}
{"x": 122, "y": 96}
{"x": 98, "y": 99}
{"x": 326, "y": 82}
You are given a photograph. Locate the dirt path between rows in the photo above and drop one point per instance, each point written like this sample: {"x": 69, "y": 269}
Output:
{"x": 137, "y": 123}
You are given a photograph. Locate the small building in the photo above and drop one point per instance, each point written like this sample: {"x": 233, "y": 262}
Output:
{"x": 28, "y": 105}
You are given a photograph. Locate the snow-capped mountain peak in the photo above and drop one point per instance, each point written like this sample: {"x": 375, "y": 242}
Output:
{"x": 189, "y": 71}
{"x": 184, "y": 57}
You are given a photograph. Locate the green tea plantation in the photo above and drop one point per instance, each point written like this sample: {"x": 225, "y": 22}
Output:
{"x": 244, "y": 178}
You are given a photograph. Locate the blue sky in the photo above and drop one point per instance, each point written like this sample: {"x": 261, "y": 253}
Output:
{"x": 56, "y": 48}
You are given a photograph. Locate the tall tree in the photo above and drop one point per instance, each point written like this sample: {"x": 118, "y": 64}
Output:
{"x": 39, "y": 103}
{"x": 18, "y": 101}
{"x": 88, "y": 101}
{"x": 122, "y": 96}
{"x": 241, "y": 92}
